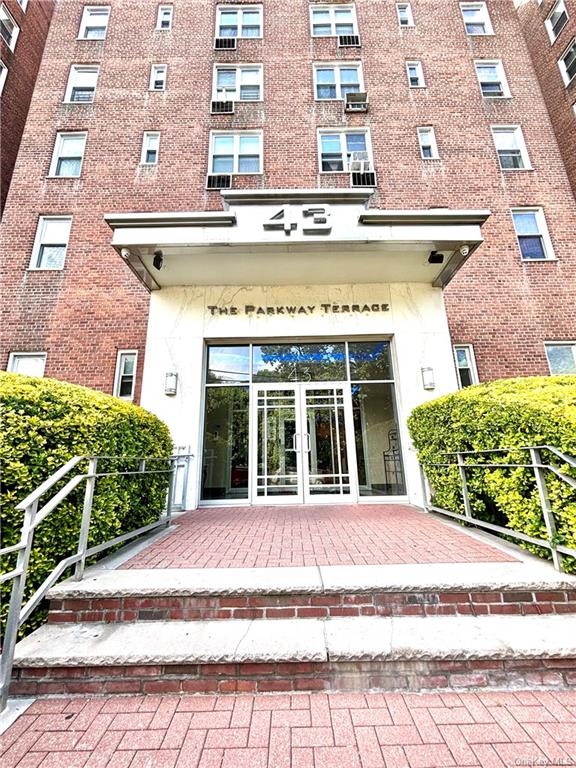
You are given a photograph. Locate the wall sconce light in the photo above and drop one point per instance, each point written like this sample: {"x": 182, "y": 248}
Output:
{"x": 428, "y": 378}
{"x": 171, "y": 384}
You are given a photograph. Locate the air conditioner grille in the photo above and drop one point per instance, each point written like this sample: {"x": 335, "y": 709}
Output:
{"x": 225, "y": 43}
{"x": 349, "y": 41}
{"x": 359, "y": 179}
{"x": 219, "y": 181}
{"x": 222, "y": 107}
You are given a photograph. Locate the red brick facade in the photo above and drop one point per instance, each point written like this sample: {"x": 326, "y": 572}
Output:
{"x": 22, "y": 64}
{"x": 81, "y": 315}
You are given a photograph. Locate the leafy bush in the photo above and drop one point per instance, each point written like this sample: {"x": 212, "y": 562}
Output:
{"x": 44, "y": 424}
{"x": 503, "y": 414}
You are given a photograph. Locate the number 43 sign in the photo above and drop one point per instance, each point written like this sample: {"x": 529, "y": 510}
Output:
{"x": 314, "y": 219}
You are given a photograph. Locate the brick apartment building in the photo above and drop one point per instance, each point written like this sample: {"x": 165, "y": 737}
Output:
{"x": 23, "y": 29}
{"x": 281, "y": 226}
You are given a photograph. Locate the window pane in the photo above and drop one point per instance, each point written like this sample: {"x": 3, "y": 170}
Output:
{"x": 349, "y": 75}
{"x": 223, "y": 164}
{"x": 299, "y": 362}
{"x": 68, "y": 166}
{"x": 532, "y": 247}
{"x": 228, "y": 364}
{"x": 226, "y": 77}
{"x": 223, "y": 145}
{"x": 51, "y": 256}
{"x": 355, "y": 142}
{"x": 526, "y": 223}
{"x": 249, "y": 164}
{"x": 562, "y": 358}
{"x": 325, "y": 76}
{"x": 249, "y": 145}
{"x": 225, "y": 459}
{"x": 370, "y": 360}
{"x": 462, "y": 358}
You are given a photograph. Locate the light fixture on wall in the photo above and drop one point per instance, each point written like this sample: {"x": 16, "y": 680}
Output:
{"x": 171, "y": 383}
{"x": 428, "y": 378}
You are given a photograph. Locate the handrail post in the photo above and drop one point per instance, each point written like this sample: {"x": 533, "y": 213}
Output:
{"x": 465, "y": 496}
{"x": 16, "y": 597}
{"x": 547, "y": 512}
{"x": 186, "y": 477}
{"x": 171, "y": 483}
{"x": 86, "y": 517}
{"x": 424, "y": 483}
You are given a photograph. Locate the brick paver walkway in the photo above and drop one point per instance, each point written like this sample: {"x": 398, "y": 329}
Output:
{"x": 257, "y": 537}
{"x": 355, "y": 730}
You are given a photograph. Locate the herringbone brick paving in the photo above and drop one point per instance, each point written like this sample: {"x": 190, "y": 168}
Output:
{"x": 352, "y": 730}
{"x": 354, "y": 534}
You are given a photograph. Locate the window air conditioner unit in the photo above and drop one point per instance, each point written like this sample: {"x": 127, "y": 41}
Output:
{"x": 359, "y": 162}
{"x": 222, "y": 108}
{"x": 219, "y": 181}
{"x": 359, "y": 179}
{"x": 356, "y": 102}
{"x": 225, "y": 43}
{"x": 349, "y": 41}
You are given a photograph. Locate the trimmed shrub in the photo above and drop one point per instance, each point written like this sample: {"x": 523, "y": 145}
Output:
{"x": 44, "y": 424}
{"x": 503, "y": 414}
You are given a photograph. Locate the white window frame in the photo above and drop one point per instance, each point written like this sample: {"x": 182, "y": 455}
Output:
{"x": 561, "y": 64}
{"x": 548, "y": 21}
{"x": 223, "y": 8}
{"x": 409, "y": 15}
{"x": 86, "y": 11}
{"x": 3, "y": 75}
{"x": 76, "y": 69}
{"x": 506, "y": 94}
{"x": 428, "y": 129}
{"x": 15, "y": 29}
{"x": 238, "y": 68}
{"x": 341, "y": 133}
{"x": 472, "y": 367}
{"x": 237, "y": 135}
{"x": 337, "y": 66}
{"x": 420, "y": 72}
{"x": 486, "y": 20}
{"x": 494, "y": 129}
{"x": 56, "y": 153}
{"x": 161, "y": 9}
{"x": 38, "y": 243}
{"x": 118, "y": 374}
{"x": 23, "y": 4}
{"x": 548, "y": 344}
{"x": 332, "y": 11}
{"x": 542, "y": 231}
{"x": 156, "y": 69}
{"x": 145, "y": 137}
{"x": 14, "y": 356}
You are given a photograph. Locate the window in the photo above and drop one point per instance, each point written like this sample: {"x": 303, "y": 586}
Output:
{"x": 465, "y": 365}
{"x": 427, "y": 141}
{"x": 476, "y": 19}
{"x": 125, "y": 377}
{"x": 150, "y": 148}
{"x": 492, "y": 79}
{"x": 239, "y": 21}
{"x": 164, "y": 18}
{"x": 561, "y": 357}
{"x": 68, "y": 154}
{"x": 239, "y": 152}
{"x": 532, "y": 234}
{"x": 557, "y": 20}
{"x": 51, "y": 242}
{"x": 511, "y": 149}
{"x": 334, "y": 81}
{"x": 81, "y": 83}
{"x": 9, "y": 30}
{"x": 238, "y": 83}
{"x": 158, "y": 74}
{"x": 332, "y": 20}
{"x": 567, "y": 63}
{"x": 94, "y": 22}
{"x": 336, "y": 148}
{"x": 27, "y": 363}
{"x": 3, "y": 75}
{"x": 23, "y": 4}
{"x": 404, "y": 11}
{"x": 415, "y": 74}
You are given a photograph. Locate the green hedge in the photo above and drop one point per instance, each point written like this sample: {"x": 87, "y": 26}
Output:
{"x": 503, "y": 414}
{"x": 44, "y": 424}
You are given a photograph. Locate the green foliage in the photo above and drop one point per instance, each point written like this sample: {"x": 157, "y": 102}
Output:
{"x": 44, "y": 424}
{"x": 510, "y": 413}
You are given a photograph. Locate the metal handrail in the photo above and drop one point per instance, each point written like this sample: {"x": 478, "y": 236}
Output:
{"x": 539, "y": 468}
{"x": 33, "y": 516}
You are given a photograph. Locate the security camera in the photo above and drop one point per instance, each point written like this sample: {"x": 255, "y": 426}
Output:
{"x": 158, "y": 260}
{"x": 125, "y": 253}
{"x": 464, "y": 250}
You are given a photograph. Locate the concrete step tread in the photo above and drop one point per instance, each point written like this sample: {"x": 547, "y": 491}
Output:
{"x": 282, "y": 640}
{"x": 452, "y": 577}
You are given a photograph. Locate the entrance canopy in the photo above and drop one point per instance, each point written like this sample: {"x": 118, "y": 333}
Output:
{"x": 288, "y": 237}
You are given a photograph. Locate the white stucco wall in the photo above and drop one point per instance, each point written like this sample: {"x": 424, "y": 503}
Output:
{"x": 180, "y": 322}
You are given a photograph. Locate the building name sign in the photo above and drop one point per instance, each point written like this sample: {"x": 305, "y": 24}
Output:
{"x": 253, "y": 310}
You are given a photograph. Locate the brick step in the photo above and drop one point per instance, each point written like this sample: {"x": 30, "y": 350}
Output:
{"x": 381, "y": 653}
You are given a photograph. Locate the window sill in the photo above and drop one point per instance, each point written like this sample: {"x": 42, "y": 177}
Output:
{"x": 538, "y": 261}
{"x": 91, "y": 39}
{"x": 417, "y": 87}
{"x": 516, "y": 170}
{"x": 508, "y": 97}
{"x": 45, "y": 269}
{"x": 77, "y": 103}
{"x": 53, "y": 176}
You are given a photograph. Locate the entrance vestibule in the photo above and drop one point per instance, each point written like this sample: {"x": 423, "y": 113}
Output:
{"x": 292, "y": 422}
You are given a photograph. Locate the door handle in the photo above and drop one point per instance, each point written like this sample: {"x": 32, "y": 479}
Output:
{"x": 308, "y": 443}
{"x": 294, "y": 446}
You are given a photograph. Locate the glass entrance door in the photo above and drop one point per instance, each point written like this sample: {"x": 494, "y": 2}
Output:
{"x": 302, "y": 444}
